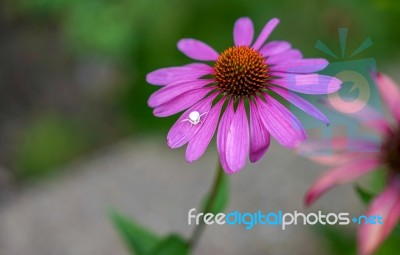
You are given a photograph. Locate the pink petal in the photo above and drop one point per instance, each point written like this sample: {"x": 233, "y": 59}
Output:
{"x": 367, "y": 116}
{"x": 339, "y": 150}
{"x": 266, "y": 31}
{"x": 173, "y": 90}
{"x": 197, "y": 50}
{"x": 361, "y": 145}
{"x": 222, "y": 135}
{"x": 274, "y": 47}
{"x": 390, "y": 92}
{"x": 199, "y": 66}
{"x": 340, "y": 175}
{"x": 387, "y": 205}
{"x": 199, "y": 143}
{"x": 339, "y": 144}
{"x": 288, "y": 55}
{"x": 243, "y": 32}
{"x": 301, "y": 103}
{"x": 314, "y": 84}
{"x": 237, "y": 141}
{"x": 280, "y": 122}
{"x": 181, "y": 102}
{"x": 309, "y": 65}
{"x": 340, "y": 158}
{"x": 169, "y": 75}
{"x": 259, "y": 135}
{"x": 182, "y": 131}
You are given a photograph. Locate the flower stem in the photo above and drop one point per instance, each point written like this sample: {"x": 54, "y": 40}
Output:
{"x": 208, "y": 206}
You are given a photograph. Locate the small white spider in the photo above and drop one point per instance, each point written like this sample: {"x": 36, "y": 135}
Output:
{"x": 194, "y": 117}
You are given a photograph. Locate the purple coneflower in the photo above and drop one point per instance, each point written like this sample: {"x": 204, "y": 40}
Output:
{"x": 245, "y": 75}
{"x": 347, "y": 166}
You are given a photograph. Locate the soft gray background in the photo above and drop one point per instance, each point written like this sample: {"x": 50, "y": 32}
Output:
{"x": 146, "y": 180}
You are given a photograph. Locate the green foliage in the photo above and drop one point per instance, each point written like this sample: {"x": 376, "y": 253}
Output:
{"x": 139, "y": 240}
{"x": 100, "y": 26}
{"x": 363, "y": 194}
{"x": 390, "y": 245}
{"x": 40, "y": 8}
{"x": 344, "y": 242}
{"x": 172, "y": 245}
{"x": 218, "y": 200}
{"x": 46, "y": 143}
{"x": 142, "y": 242}
{"x": 377, "y": 180}
{"x": 337, "y": 240}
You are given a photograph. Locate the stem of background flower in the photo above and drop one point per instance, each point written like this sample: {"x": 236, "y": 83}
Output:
{"x": 198, "y": 231}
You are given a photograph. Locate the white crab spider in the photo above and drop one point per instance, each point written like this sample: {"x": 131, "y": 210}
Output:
{"x": 194, "y": 117}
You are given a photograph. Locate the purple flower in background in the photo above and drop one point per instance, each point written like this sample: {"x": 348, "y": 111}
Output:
{"x": 249, "y": 74}
{"x": 366, "y": 156}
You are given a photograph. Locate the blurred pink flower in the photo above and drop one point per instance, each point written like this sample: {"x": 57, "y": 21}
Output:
{"x": 347, "y": 166}
{"x": 246, "y": 73}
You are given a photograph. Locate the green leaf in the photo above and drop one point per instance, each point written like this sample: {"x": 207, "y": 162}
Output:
{"x": 397, "y": 230}
{"x": 377, "y": 180}
{"x": 390, "y": 245}
{"x": 172, "y": 245}
{"x": 337, "y": 240}
{"x": 365, "y": 195}
{"x": 139, "y": 240}
{"x": 217, "y": 200}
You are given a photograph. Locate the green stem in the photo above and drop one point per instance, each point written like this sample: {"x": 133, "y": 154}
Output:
{"x": 199, "y": 229}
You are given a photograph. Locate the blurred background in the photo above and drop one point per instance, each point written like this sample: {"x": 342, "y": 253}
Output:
{"x": 77, "y": 137}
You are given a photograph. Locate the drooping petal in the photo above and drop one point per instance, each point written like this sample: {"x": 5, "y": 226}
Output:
{"x": 237, "y": 141}
{"x": 340, "y": 158}
{"x": 274, "y": 47}
{"x": 243, "y": 32}
{"x": 309, "y": 65}
{"x": 339, "y": 150}
{"x": 387, "y": 206}
{"x": 339, "y": 144}
{"x": 222, "y": 135}
{"x": 390, "y": 92}
{"x": 164, "y": 76}
{"x": 367, "y": 116}
{"x": 181, "y": 102}
{"x": 199, "y": 143}
{"x": 171, "y": 91}
{"x": 314, "y": 84}
{"x": 301, "y": 103}
{"x": 266, "y": 31}
{"x": 183, "y": 130}
{"x": 340, "y": 175}
{"x": 288, "y": 55}
{"x": 259, "y": 135}
{"x": 197, "y": 50}
{"x": 280, "y": 122}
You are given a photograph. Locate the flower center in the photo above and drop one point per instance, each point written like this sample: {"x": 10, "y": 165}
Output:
{"x": 391, "y": 151}
{"x": 240, "y": 71}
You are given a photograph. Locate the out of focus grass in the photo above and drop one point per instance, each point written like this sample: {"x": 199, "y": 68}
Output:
{"x": 48, "y": 142}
